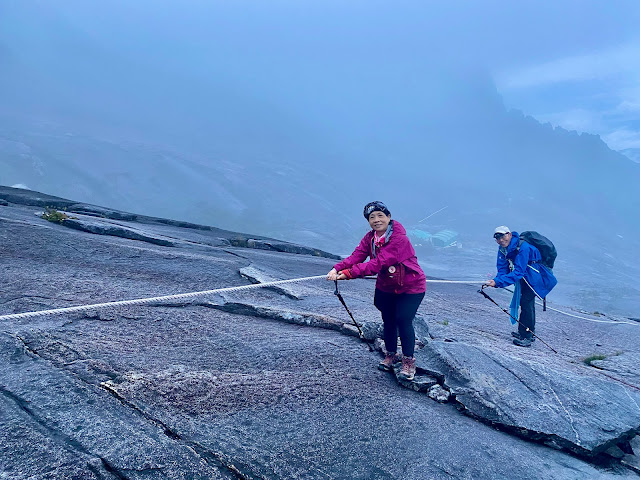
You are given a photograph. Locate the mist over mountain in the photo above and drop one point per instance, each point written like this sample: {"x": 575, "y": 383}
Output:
{"x": 285, "y": 122}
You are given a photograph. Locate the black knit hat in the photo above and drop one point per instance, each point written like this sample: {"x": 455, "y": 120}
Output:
{"x": 375, "y": 206}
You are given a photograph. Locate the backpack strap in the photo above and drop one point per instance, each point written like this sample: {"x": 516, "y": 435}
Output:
{"x": 520, "y": 242}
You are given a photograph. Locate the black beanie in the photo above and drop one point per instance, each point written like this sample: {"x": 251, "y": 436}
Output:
{"x": 375, "y": 206}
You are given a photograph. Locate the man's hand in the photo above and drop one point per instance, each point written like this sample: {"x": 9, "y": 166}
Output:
{"x": 490, "y": 283}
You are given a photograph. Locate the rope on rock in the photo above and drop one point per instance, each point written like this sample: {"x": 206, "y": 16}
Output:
{"x": 614, "y": 322}
{"x": 142, "y": 301}
{"x": 472, "y": 282}
{"x": 617, "y": 322}
{"x": 468, "y": 282}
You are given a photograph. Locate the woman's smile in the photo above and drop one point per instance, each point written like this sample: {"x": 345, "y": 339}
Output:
{"x": 379, "y": 221}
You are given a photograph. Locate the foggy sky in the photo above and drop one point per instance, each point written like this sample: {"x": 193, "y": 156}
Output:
{"x": 572, "y": 63}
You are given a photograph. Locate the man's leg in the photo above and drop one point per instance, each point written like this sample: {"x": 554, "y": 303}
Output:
{"x": 527, "y": 310}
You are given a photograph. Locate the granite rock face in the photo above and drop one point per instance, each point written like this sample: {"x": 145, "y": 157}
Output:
{"x": 582, "y": 414}
{"x": 57, "y": 426}
{"x": 104, "y": 228}
{"x": 273, "y": 383}
{"x": 212, "y": 235}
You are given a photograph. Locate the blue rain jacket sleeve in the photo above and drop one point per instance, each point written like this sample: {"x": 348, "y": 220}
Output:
{"x": 520, "y": 261}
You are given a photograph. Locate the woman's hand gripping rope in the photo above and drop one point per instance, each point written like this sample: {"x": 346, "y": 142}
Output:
{"x": 334, "y": 275}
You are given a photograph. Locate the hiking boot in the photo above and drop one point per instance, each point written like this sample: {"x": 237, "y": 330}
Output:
{"x": 517, "y": 335}
{"x": 522, "y": 342}
{"x": 408, "y": 368}
{"x": 389, "y": 360}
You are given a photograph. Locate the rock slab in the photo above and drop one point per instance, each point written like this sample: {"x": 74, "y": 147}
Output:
{"x": 583, "y": 414}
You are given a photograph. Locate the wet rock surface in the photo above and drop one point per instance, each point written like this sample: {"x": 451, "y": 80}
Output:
{"x": 103, "y": 228}
{"x": 631, "y": 457}
{"x": 189, "y": 232}
{"x": 264, "y": 384}
{"x": 582, "y": 414}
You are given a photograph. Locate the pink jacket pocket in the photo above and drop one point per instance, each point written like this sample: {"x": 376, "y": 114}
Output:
{"x": 394, "y": 275}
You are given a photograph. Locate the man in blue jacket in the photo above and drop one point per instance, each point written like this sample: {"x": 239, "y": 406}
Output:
{"x": 520, "y": 266}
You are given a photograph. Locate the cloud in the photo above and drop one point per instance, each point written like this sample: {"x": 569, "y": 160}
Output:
{"x": 629, "y": 101}
{"x": 632, "y": 153}
{"x": 623, "y": 139}
{"x": 598, "y": 93}
{"x": 593, "y": 66}
{"x": 578, "y": 119}
{"x": 627, "y": 106}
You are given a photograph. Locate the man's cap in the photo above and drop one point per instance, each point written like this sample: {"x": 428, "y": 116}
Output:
{"x": 502, "y": 229}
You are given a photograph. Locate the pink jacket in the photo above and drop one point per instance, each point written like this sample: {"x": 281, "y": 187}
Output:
{"x": 395, "y": 262}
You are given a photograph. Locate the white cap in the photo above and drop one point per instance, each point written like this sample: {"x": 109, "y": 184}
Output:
{"x": 502, "y": 229}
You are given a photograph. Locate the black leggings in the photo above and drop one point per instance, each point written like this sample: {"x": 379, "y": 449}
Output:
{"x": 527, "y": 310}
{"x": 398, "y": 311}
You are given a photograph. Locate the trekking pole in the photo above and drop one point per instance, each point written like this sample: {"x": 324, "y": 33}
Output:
{"x": 360, "y": 334}
{"x": 484, "y": 294}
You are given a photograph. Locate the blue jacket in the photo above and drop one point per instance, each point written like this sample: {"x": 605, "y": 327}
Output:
{"x": 525, "y": 264}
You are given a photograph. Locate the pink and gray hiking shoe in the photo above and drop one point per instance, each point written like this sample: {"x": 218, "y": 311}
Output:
{"x": 408, "y": 368}
{"x": 389, "y": 360}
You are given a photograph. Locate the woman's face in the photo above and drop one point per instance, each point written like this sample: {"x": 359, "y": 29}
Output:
{"x": 379, "y": 221}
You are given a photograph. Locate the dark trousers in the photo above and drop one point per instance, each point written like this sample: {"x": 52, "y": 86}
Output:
{"x": 398, "y": 311}
{"x": 527, "y": 310}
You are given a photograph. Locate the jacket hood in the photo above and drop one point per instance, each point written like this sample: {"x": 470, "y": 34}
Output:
{"x": 394, "y": 227}
{"x": 398, "y": 228}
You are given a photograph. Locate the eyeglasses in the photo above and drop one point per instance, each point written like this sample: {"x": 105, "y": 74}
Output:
{"x": 498, "y": 236}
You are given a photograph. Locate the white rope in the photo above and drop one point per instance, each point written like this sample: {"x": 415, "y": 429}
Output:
{"x": 468, "y": 282}
{"x": 616, "y": 322}
{"x": 142, "y": 301}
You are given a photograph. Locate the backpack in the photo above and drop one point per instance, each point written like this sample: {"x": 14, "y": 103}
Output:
{"x": 545, "y": 246}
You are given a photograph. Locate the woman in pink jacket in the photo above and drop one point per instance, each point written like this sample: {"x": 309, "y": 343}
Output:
{"x": 400, "y": 286}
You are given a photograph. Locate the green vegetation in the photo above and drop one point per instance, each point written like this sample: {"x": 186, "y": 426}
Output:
{"x": 53, "y": 215}
{"x": 591, "y": 358}
{"x": 445, "y": 322}
{"x": 599, "y": 356}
